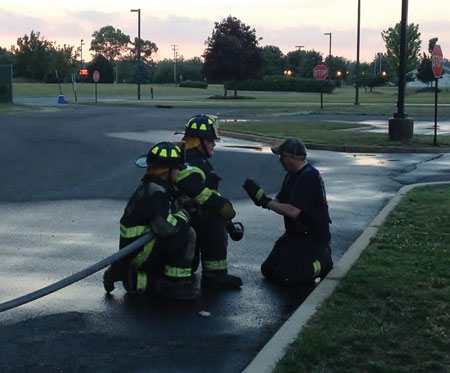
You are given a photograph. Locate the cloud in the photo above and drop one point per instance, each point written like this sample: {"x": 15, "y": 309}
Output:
{"x": 190, "y": 30}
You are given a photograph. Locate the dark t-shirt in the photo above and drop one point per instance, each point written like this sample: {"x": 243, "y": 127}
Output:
{"x": 305, "y": 190}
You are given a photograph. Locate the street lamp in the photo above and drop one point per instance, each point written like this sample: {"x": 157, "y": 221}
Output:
{"x": 138, "y": 51}
{"x": 329, "y": 33}
{"x": 174, "y": 47}
{"x": 81, "y": 54}
{"x": 400, "y": 126}
{"x": 357, "y": 54}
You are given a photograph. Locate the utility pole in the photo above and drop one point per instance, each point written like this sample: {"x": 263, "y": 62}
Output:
{"x": 299, "y": 47}
{"x": 329, "y": 52}
{"x": 174, "y": 47}
{"x": 357, "y": 53}
{"x": 400, "y": 126}
{"x": 81, "y": 54}
{"x": 138, "y": 49}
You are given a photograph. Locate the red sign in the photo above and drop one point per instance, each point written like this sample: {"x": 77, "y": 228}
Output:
{"x": 436, "y": 61}
{"x": 96, "y": 76}
{"x": 320, "y": 72}
{"x": 84, "y": 72}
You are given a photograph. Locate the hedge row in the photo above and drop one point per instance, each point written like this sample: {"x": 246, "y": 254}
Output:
{"x": 281, "y": 83}
{"x": 193, "y": 84}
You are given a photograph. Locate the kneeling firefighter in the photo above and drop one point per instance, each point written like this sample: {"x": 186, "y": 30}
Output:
{"x": 165, "y": 263}
{"x": 212, "y": 217}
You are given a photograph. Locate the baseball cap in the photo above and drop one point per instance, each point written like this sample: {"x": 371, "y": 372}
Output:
{"x": 290, "y": 145}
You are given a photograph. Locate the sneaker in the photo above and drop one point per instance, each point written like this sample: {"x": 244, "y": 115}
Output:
{"x": 220, "y": 280}
{"x": 175, "y": 289}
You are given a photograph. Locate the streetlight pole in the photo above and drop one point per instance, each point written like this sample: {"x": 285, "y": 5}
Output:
{"x": 138, "y": 51}
{"x": 400, "y": 126}
{"x": 81, "y": 54}
{"x": 174, "y": 63}
{"x": 329, "y": 33}
{"x": 357, "y": 54}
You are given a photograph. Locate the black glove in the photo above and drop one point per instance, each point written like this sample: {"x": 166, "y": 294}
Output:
{"x": 236, "y": 230}
{"x": 256, "y": 193}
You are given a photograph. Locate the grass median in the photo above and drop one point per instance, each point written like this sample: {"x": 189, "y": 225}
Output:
{"x": 329, "y": 133}
{"x": 391, "y": 312}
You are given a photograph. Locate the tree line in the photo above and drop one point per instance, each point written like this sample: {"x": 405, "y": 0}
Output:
{"x": 232, "y": 54}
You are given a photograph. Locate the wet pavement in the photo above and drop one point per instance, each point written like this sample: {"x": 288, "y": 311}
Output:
{"x": 69, "y": 175}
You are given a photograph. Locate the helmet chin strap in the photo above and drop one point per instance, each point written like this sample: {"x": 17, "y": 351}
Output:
{"x": 205, "y": 150}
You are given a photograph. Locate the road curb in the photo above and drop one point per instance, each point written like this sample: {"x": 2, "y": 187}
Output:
{"x": 336, "y": 148}
{"x": 266, "y": 360}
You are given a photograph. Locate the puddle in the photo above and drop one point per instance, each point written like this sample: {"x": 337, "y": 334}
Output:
{"x": 420, "y": 127}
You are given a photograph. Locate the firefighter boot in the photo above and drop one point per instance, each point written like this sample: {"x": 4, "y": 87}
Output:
{"x": 220, "y": 280}
{"x": 176, "y": 289}
{"x": 111, "y": 275}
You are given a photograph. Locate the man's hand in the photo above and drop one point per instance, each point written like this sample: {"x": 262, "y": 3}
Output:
{"x": 256, "y": 193}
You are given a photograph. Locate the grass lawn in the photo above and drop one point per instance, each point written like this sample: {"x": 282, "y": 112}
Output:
{"x": 381, "y": 101}
{"x": 391, "y": 312}
{"x": 328, "y": 133}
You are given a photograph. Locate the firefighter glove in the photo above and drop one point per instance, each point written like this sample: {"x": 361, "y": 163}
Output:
{"x": 227, "y": 212}
{"x": 256, "y": 193}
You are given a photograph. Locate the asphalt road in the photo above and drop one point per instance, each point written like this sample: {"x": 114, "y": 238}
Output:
{"x": 66, "y": 177}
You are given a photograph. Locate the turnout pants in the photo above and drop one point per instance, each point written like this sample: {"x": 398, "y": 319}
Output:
{"x": 212, "y": 242}
{"x": 296, "y": 260}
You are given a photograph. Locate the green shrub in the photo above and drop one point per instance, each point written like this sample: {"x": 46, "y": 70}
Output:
{"x": 281, "y": 83}
{"x": 193, "y": 84}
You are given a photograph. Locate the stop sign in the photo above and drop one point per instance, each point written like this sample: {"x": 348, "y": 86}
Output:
{"x": 436, "y": 61}
{"x": 320, "y": 72}
{"x": 96, "y": 76}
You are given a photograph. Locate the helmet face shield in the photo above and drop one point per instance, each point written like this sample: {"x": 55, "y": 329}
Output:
{"x": 163, "y": 154}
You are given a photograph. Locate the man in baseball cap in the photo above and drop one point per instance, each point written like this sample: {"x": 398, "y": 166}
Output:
{"x": 303, "y": 252}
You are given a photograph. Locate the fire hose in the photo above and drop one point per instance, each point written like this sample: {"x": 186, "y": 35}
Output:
{"x": 129, "y": 249}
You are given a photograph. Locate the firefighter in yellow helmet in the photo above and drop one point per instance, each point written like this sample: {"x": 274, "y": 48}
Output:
{"x": 212, "y": 221}
{"x": 164, "y": 264}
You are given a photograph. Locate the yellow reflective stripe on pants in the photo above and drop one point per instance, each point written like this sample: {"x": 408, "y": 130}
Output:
{"x": 182, "y": 215}
{"x": 177, "y": 272}
{"x": 132, "y": 232}
{"x": 141, "y": 284}
{"x": 144, "y": 254}
{"x": 317, "y": 268}
{"x": 172, "y": 220}
{"x": 215, "y": 265}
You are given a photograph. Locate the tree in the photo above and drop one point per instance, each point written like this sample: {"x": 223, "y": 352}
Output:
{"x": 6, "y": 58}
{"x": 391, "y": 38}
{"x": 147, "y": 49}
{"x": 337, "y": 68}
{"x": 110, "y": 43}
{"x": 310, "y": 59}
{"x": 274, "y": 62}
{"x": 424, "y": 70}
{"x": 103, "y": 66}
{"x": 32, "y": 56}
{"x": 37, "y": 58}
{"x": 232, "y": 53}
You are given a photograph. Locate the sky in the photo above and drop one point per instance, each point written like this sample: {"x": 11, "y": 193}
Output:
{"x": 287, "y": 24}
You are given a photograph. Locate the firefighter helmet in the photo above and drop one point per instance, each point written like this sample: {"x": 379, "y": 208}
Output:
{"x": 163, "y": 154}
{"x": 202, "y": 126}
